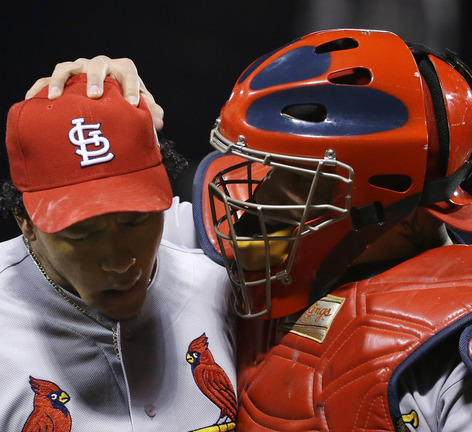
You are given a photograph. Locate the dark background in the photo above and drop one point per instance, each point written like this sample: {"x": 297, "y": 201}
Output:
{"x": 189, "y": 54}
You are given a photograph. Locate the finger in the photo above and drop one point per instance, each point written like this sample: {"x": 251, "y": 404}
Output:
{"x": 37, "y": 87}
{"x": 97, "y": 69}
{"x": 125, "y": 72}
{"x": 131, "y": 89}
{"x": 156, "y": 110}
{"x": 62, "y": 72}
{"x": 157, "y": 113}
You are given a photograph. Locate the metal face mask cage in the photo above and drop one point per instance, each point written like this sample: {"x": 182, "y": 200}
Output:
{"x": 259, "y": 241}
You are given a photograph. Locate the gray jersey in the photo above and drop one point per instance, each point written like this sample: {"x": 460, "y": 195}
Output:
{"x": 107, "y": 376}
{"x": 436, "y": 392}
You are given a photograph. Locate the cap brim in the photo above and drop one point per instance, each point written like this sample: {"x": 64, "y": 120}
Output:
{"x": 456, "y": 213}
{"x": 55, "y": 209}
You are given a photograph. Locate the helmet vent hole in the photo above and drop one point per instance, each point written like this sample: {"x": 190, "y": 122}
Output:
{"x": 394, "y": 182}
{"x": 337, "y": 45}
{"x": 353, "y": 76}
{"x": 314, "y": 113}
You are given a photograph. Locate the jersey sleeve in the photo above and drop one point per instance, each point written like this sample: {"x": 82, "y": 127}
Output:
{"x": 179, "y": 228}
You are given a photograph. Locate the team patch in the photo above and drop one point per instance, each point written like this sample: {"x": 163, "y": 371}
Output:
{"x": 49, "y": 412}
{"x": 315, "y": 322}
{"x": 213, "y": 382}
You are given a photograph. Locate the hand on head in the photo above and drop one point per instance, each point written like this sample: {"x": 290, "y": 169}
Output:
{"x": 97, "y": 68}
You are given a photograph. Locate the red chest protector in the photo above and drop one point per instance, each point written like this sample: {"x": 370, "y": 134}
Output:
{"x": 372, "y": 330}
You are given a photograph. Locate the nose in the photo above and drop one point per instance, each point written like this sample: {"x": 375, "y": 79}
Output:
{"x": 117, "y": 253}
{"x": 118, "y": 263}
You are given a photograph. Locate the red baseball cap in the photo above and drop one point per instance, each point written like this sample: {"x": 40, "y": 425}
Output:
{"x": 75, "y": 157}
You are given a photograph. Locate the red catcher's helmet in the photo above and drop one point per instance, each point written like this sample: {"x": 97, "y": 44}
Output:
{"x": 386, "y": 127}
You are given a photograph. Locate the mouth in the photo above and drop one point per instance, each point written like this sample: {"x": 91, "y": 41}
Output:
{"x": 123, "y": 299}
{"x": 124, "y": 284}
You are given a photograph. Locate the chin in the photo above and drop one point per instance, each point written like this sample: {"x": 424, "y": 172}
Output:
{"x": 123, "y": 305}
{"x": 122, "y": 315}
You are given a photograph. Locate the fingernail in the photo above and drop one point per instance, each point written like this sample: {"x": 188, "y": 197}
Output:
{"x": 54, "y": 92}
{"x": 133, "y": 100}
{"x": 94, "y": 90}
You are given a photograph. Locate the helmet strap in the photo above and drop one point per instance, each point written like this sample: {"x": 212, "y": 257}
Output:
{"x": 430, "y": 76}
{"x": 441, "y": 189}
{"x": 341, "y": 257}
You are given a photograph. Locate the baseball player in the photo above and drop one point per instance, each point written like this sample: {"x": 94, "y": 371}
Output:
{"x": 106, "y": 325}
{"x": 334, "y": 190}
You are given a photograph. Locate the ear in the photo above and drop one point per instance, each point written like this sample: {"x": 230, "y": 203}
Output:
{"x": 26, "y": 226}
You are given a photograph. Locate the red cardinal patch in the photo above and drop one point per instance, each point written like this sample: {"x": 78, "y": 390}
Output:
{"x": 212, "y": 380}
{"x": 50, "y": 412}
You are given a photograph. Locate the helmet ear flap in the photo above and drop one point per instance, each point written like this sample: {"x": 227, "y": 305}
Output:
{"x": 448, "y": 149}
{"x": 445, "y": 79}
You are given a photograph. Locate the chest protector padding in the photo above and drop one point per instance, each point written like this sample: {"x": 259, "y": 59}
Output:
{"x": 348, "y": 382}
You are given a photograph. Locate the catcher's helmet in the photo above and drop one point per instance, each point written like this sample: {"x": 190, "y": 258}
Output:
{"x": 373, "y": 126}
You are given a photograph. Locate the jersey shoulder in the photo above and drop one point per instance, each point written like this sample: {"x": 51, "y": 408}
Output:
{"x": 12, "y": 252}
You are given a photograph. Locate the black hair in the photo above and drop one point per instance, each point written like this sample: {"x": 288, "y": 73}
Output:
{"x": 11, "y": 199}
{"x": 173, "y": 161}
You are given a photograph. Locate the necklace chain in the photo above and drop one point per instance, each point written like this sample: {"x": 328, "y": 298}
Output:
{"x": 61, "y": 292}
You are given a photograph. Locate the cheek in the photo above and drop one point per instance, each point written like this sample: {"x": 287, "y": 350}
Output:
{"x": 77, "y": 265}
{"x": 145, "y": 240}
{"x": 66, "y": 265}
{"x": 283, "y": 189}
{"x": 54, "y": 253}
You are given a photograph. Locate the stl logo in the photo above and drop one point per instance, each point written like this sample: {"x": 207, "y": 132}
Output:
{"x": 50, "y": 412}
{"x": 101, "y": 153}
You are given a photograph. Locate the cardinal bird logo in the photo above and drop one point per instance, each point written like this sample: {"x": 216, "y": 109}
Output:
{"x": 212, "y": 380}
{"x": 50, "y": 412}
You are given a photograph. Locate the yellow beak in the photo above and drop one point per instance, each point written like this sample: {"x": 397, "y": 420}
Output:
{"x": 64, "y": 397}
